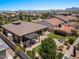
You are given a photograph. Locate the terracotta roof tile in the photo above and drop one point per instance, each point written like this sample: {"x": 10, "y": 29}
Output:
{"x": 66, "y": 29}
{"x": 55, "y": 21}
{"x": 65, "y": 17}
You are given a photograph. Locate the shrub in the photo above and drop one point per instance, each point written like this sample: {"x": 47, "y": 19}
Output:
{"x": 59, "y": 56}
{"x": 17, "y": 50}
{"x": 22, "y": 48}
{"x": 29, "y": 53}
{"x": 71, "y": 39}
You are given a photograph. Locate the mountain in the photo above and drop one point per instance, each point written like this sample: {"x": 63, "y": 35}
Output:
{"x": 73, "y": 8}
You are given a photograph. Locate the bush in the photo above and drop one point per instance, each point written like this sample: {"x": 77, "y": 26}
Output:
{"x": 59, "y": 56}
{"x": 29, "y": 53}
{"x": 17, "y": 50}
{"x": 71, "y": 39}
{"x": 22, "y": 48}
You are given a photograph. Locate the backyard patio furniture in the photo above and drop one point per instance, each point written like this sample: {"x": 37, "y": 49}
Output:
{"x": 32, "y": 42}
{"x": 27, "y": 43}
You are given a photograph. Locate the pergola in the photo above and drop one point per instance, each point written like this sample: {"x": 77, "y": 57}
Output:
{"x": 20, "y": 29}
{"x": 31, "y": 38}
{"x": 32, "y": 35}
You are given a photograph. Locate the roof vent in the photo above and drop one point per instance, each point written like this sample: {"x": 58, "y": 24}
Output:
{"x": 16, "y": 22}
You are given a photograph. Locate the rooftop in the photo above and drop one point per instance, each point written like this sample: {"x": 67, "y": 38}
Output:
{"x": 3, "y": 45}
{"x": 73, "y": 24}
{"x": 23, "y": 28}
{"x": 55, "y": 21}
{"x": 65, "y": 17}
{"x": 66, "y": 29}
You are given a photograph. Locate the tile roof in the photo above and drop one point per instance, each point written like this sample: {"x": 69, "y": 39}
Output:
{"x": 55, "y": 21}
{"x": 66, "y": 29}
{"x": 65, "y": 17}
{"x": 70, "y": 17}
{"x": 23, "y": 28}
{"x": 73, "y": 24}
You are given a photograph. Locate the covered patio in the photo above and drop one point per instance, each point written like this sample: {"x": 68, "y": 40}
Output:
{"x": 25, "y": 33}
{"x": 31, "y": 39}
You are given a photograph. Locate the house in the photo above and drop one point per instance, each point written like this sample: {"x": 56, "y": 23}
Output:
{"x": 66, "y": 29}
{"x": 53, "y": 23}
{"x": 3, "y": 48}
{"x": 63, "y": 13}
{"x": 75, "y": 15}
{"x": 24, "y": 32}
{"x": 57, "y": 25}
{"x": 74, "y": 24}
{"x": 66, "y": 19}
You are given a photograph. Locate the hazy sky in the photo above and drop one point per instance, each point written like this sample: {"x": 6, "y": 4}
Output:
{"x": 37, "y": 4}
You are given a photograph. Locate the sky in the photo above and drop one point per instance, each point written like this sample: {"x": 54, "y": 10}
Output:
{"x": 37, "y": 4}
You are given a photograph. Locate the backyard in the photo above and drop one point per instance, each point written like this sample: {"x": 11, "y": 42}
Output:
{"x": 35, "y": 51}
{"x": 71, "y": 39}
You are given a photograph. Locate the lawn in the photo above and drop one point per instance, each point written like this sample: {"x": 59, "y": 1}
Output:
{"x": 52, "y": 35}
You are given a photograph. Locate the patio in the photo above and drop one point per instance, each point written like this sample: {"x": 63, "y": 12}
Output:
{"x": 25, "y": 33}
{"x": 30, "y": 39}
{"x": 36, "y": 44}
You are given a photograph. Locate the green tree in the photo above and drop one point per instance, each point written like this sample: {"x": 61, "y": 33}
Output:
{"x": 21, "y": 16}
{"x": 47, "y": 49}
{"x": 71, "y": 39}
{"x": 45, "y": 15}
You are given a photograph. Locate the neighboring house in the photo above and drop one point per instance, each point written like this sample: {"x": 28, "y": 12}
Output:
{"x": 66, "y": 29}
{"x": 74, "y": 24}
{"x": 75, "y": 15}
{"x": 3, "y": 48}
{"x": 53, "y": 23}
{"x": 63, "y": 13}
{"x": 24, "y": 32}
{"x": 66, "y": 19}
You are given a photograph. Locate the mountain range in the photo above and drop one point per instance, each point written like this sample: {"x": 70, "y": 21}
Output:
{"x": 73, "y": 8}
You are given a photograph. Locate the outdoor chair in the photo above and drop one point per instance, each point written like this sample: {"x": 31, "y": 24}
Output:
{"x": 26, "y": 44}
